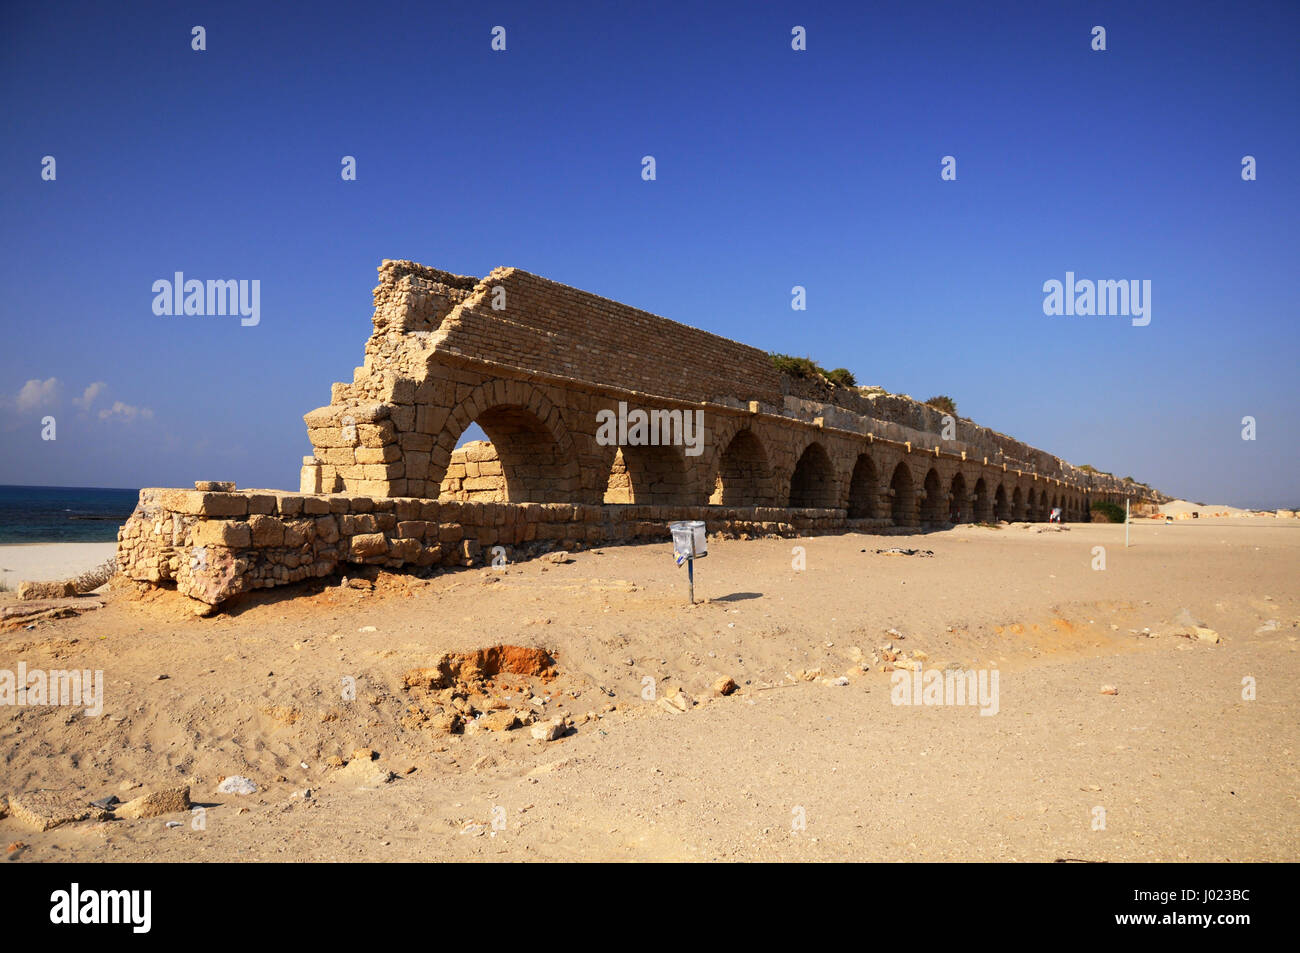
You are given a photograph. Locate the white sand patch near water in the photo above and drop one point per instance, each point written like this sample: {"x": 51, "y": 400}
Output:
{"x": 39, "y": 562}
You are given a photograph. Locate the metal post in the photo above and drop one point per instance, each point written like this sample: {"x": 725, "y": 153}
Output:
{"x": 690, "y": 567}
{"x": 1126, "y": 523}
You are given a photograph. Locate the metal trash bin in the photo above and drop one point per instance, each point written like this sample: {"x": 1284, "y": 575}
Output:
{"x": 689, "y": 540}
{"x": 689, "y": 544}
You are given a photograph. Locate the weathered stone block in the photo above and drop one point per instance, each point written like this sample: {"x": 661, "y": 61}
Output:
{"x": 231, "y": 534}
{"x": 368, "y": 544}
{"x": 411, "y": 529}
{"x": 267, "y": 531}
{"x": 46, "y": 590}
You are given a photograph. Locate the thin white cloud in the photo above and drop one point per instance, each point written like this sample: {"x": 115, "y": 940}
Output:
{"x": 37, "y": 393}
{"x": 125, "y": 412}
{"x": 91, "y": 392}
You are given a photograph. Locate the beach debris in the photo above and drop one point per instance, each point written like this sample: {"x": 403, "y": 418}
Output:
{"x": 725, "y": 685}
{"x": 680, "y": 700}
{"x": 551, "y": 730}
{"x": 1109, "y": 690}
{"x": 558, "y": 557}
{"x": 668, "y": 706}
{"x": 46, "y": 810}
{"x": 27, "y": 614}
{"x": 236, "y": 784}
{"x": 505, "y": 720}
{"x": 898, "y": 551}
{"x": 104, "y": 803}
{"x": 1188, "y": 626}
{"x": 164, "y": 801}
{"x": 365, "y": 773}
{"x": 45, "y": 590}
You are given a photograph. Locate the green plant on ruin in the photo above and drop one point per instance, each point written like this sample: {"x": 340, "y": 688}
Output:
{"x": 1113, "y": 512}
{"x": 944, "y": 403}
{"x": 804, "y": 368}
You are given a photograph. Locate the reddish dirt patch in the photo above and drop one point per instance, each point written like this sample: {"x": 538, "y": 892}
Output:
{"x": 459, "y": 668}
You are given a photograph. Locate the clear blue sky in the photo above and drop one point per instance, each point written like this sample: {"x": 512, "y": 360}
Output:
{"x": 775, "y": 168}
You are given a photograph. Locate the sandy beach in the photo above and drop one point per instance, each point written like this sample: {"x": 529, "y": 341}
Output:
{"x": 810, "y": 758}
{"x": 39, "y": 562}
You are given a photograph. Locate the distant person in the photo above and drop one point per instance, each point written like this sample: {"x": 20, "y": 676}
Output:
{"x": 1056, "y": 515}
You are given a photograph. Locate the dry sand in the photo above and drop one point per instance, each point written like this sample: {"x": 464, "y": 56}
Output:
{"x": 1182, "y": 765}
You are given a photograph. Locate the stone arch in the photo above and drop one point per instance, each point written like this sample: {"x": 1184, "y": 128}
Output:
{"x": 1001, "y": 505}
{"x": 813, "y": 481}
{"x": 1017, "y": 505}
{"x": 934, "y": 504}
{"x": 649, "y": 475}
{"x": 537, "y": 458}
{"x": 864, "y": 489}
{"x": 958, "y": 504}
{"x": 983, "y": 502}
{"x": 743, "y": 475}
{"x": 902, "y": 491}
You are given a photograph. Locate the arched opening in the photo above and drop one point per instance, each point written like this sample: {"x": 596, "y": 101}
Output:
{"x": 933, "y": 510}
{"x": 902, "y": 505}
{"x": 521, "y": 462}
{"x": 744, "y": 478}
{"x": 649, "y": 475}
{"x": 958, "y": 505}
{"x": 813, "y": 482}
{"x": 1001, "y": 506}
{"x": 863, "y": 490}
{"x": 1017, "y": 505}
{"x": 983, "y": 504}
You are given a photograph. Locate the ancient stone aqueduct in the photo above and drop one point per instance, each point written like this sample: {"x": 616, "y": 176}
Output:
{"x": 534, "y": 363}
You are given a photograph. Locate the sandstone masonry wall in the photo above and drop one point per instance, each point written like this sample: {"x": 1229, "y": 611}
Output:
{"x": 536, "y": 364}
